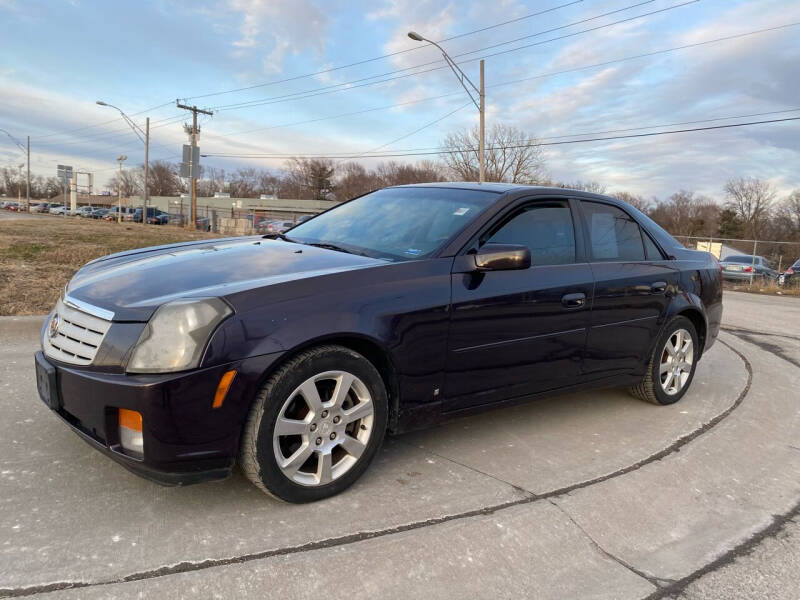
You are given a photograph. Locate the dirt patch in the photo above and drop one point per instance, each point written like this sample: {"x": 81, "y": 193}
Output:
{"x": 39, "y": 256}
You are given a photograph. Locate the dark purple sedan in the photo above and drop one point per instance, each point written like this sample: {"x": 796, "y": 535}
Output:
{"x": 295, "y": 353}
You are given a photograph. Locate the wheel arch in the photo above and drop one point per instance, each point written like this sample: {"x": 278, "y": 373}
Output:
{"x": 370, "y": 348}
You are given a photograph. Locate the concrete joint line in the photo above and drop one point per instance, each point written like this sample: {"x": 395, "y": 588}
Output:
{"x": 654, "y": 581}
{"x": 188, "y": 566}
{"x": 775, "y": 528}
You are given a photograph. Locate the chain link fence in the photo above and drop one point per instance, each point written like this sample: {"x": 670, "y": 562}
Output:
{"x": 233, "y": 221}
{"x": 781, "y": 255}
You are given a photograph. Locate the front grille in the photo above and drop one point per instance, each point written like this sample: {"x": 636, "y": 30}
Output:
{"x": 76, "y": 337}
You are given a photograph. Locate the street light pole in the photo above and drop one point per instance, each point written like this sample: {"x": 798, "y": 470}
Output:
{"x": 480, "y": 102}
{"x": 144, "y": 137}
{"x": 121, "y": 159}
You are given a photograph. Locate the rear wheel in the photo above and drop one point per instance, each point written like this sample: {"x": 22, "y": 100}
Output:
{"x": 672, "y": 365}
{"x": 315, "y": 425}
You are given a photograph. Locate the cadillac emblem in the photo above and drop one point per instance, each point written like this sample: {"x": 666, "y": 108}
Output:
{"x": 52, "y": 328}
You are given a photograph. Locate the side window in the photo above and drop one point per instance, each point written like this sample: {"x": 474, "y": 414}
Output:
{"x": 544, "y": 227}
{"x": 613, "y": 235}
{"x": 651, "y": 251}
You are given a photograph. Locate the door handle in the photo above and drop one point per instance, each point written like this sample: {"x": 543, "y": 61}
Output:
{"x": 659, "y": 287}
{"x": 577, "y": 300}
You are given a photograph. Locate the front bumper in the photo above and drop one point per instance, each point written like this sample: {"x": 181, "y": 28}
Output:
{"x": 185, "y": 440}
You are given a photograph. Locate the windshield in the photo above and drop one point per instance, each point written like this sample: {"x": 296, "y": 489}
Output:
{"x": 396, "y": 223}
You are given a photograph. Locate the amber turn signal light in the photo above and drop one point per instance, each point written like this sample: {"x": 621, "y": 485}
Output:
{"x": 130, "y": 432}
{"x": 130, "y": 419}
{"x": 222, "y": 389}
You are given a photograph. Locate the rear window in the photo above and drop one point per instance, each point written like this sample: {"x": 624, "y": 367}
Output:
{"x": 740, "y": 259}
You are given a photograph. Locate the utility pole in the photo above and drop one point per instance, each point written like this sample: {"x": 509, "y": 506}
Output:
{"x": 146, "y": 192}
{"x": 481, "y": 142}
{"x": 122, "y": 159}
{"x": 192, "y": 170}
{"x": 28, "y": 190}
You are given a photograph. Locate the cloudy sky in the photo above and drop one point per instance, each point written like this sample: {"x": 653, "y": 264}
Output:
{"x": 554, "y": 74}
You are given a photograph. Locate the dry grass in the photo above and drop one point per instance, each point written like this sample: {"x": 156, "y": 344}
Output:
{"x": 39, "y": 255}
{"x": 771, "y": 288}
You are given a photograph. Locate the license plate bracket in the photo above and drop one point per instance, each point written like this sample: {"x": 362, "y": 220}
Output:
{"x": 46, "y": 382}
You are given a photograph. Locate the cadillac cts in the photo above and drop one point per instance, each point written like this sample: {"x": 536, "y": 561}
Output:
{"x": 295, "y": 354}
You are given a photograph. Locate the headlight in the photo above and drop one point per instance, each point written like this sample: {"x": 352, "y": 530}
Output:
{"x": 176, "y": 335}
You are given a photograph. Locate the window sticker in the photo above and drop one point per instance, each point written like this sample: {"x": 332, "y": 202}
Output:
{"x": 461, "y": 211}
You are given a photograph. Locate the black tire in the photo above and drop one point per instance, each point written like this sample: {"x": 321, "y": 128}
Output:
{"x": 257, "y": 457}
{"x": 650, "y": 388}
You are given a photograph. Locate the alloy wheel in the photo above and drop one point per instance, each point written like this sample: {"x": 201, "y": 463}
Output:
{"x": 677, "y": 359}
{"x": 323, "y": 428}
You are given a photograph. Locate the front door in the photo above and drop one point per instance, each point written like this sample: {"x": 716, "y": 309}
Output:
{"x": 519, "y": 332}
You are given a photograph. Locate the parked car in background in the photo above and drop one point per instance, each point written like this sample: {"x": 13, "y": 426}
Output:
{"x": 41, "y": 207}
{"x": 12, "y": 206}
{"x": 85, "y": 212}
{"x": 303, "y": 219}
{"x": 99, "y": 213}
{"x": 112, "y": 213}
{"x": 202, "y": 224}
{"x": 158, "y": 218}
{"x": 274, "y": 226}
{"x": 392, "y": 311}
{"x": 138, "y": 213}
{"x": 56, "y": 209}
{"x": 791, "y": 276}
{"x": 746, "y": 267}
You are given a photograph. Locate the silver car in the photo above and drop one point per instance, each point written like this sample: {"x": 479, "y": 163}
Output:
{"x": 747, "y": 268}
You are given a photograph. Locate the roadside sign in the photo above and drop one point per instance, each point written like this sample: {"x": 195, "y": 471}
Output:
{"x": 190, "y": 157}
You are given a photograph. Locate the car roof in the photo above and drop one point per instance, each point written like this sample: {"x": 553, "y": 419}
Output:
{"x": 501, "y": 188}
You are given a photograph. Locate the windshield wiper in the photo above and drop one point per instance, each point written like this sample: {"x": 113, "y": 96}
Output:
{"x": 328, "y": 246}
{"x": 280, "y": 236}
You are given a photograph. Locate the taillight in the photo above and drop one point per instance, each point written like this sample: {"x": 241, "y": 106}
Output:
{"x": 748, "y": 269}
{"x": 790, "y": 271}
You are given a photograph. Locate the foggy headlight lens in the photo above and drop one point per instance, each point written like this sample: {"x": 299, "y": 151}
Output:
{"x": 176, "y": 335}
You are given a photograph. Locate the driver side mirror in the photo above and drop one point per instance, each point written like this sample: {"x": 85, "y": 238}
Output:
{"x": 502, "y": 257}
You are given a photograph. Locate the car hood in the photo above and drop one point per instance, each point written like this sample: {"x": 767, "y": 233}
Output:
{"x": 133, "y": 284}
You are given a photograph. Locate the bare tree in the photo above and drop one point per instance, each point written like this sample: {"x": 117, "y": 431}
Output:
{"x": 636, "y": 200}
{"x": 752, "y": 200}
{"x": 163, "y": 180}
{"x": 685, "y": 213}
{"x": 128, "y": 182}
{"x": 511, "y": 155}
{"x": 393, "y": 173}
{"x": 308, "y": 178}
{"x": 353, "y": 180}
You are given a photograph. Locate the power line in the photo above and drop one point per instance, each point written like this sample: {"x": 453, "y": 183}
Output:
{"x": 41, "y": 137}
{"x": 409, "y": 134}
{"x": 381, "y": 57}
{"x": 530, "y": 145}
{"x": 550, "y": 74}
{"x": 350, "y": 85}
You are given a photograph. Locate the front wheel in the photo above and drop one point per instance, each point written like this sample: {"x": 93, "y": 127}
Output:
{"x": 672, "y": 365}
{"x": 315, "y": 425}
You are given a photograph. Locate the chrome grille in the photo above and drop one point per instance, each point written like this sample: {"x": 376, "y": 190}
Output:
{"x": 76, "y": 336}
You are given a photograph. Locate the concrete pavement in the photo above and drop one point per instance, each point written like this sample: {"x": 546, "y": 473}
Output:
{"x": 588, "y": 495}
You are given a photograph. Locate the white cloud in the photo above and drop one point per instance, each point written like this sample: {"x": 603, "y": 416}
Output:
{"x": 279, "y": 27}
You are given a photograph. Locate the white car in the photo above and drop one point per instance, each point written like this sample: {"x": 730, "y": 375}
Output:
{"x": 57, "y": 209}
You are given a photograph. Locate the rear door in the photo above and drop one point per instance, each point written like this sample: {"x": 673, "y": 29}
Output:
{"x": 519, "y": 332}
{"x": 633, "y": 284}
